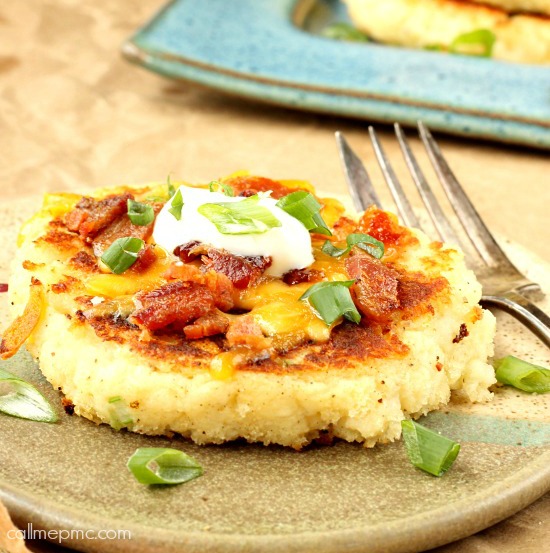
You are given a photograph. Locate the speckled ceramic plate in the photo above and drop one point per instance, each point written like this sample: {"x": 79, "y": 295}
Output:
{"x": 271, "y": 50}
{"x": 72, "y": 475}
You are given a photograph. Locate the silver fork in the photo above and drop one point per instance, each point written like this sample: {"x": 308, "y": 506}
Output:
{"x": 504, "y": 286}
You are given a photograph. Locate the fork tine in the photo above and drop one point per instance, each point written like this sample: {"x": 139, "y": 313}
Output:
{"x": 474, "y": 226}
{"x": 357, "y": 178}
{"x": 439, "y": 218}
{"x": 401, "y": 201}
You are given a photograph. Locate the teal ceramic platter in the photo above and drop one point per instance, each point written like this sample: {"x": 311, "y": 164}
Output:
{"x": 272, "y": 51}
{"x": 72, "y": 475}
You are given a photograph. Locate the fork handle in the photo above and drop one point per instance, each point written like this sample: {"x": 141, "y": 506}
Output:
{"x": 527, "y": 313}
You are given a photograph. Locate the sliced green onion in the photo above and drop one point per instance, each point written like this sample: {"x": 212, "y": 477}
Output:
{"x": 303, "y": 205}
{"x": 23, "y": 400}
{"x": 332, "y": 300}
{"x": 216, "y": 186}
{"x": 177, "y": 204}
{"x": 158, "y": 465}
{"x": 344, "y": 31}
{"x": 122, "y": 254}
{"x": 475, "y": 43}
{"x": 428, "y": 450}
{"x": 171, "y": 189}
{"x": 242, "y": 217}
{"x": 120, "y": 417}
{"x": 363, "y": 241}
{"x": 522, "y": 375}
{"x": 140, "y": 214}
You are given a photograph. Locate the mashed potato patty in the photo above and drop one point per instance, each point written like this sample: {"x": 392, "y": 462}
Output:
{"x": 358, "y": 386}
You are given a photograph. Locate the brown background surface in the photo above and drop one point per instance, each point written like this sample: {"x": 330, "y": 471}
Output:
{"x": 74, "y": 115}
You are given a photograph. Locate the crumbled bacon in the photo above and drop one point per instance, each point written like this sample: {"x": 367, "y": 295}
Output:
{"x": 241, "y": 271}
{"x": 189, "y": 251}
{"x": 245, "y": 331}
{"x": 122, "y": 227}
{"x": 297, "y": 276}
{"x": 375, "y": 290}
{"x": 146, "y": 257}
{"x": 220, "y": 286}
{"x": 176, "y": 303}
{"x": 3, "y": 287}
{"x": 214, "y": 322}
{"x": 249, "y": 185}
{"x": 91, "y": 216}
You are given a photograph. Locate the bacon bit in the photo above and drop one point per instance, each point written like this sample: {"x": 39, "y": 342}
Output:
{"x": 68, "y": 406}
{"x": 462, "y": 333}
{"x": 298, "y": 276}
{"x": 438, "y": 366}
{"x": 214, "y": 322}
{"x": 176, "y": 303}
{"x": 184, "y": 271}
{"x": 188, "y": 252}
{"x": 22, "y": 327}
{"x": 91, "y": 216}
{"x": 222, "y": 289}
{"x": 248, "y": 186}
{"x": 146, "y": 257}
{"x": 122, "y": 227}
{"x": 220, "y": 286}
{"x": 241, "y": 271}
{"x": 375, "y": 288}
{"x": 245, "y": 331}
{"x": 3, "y": 287}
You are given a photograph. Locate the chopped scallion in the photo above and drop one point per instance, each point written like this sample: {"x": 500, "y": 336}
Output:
{"x": 216, "y": 186}
{"x": 475, "y": 43}
{"x": 428, "y": 450}
{"x": 157, "y": 465}
{"x": 120, "y": 417}
{"x": 177, "y": 204}
{"x": 522, "y": 375}
{"x": 363, "y": 241}
{"x": 171, "y": 188}
{"x": 344, "y": 31}
{"x": 122, "y": 254}
{"x": 242, "y": 217}
{"x": 140, "y": 214}
{"x": 332, "y": 300}
{"x": 303, "y": 205}
{"x": 23, "y": 400}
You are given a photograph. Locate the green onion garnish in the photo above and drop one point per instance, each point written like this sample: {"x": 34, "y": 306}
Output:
{"x": 23, "y": 400}
{"x": 475, "y": 43}
{"x": 363, "y": 241}
{"x": 216, "y": 186}
{"x": 177, "y": 204}
{"x": 344, "y": 31}
{"x": 242, "y": 217}
{"x": 122, "y": 254}
{"x": 428, "y": 450}
{"x": 171, "y": 189}
{"x": 158, "y": 465}
{"x": 522, "y": 375}
{"x": 332, "y": 300}
{"x": 140, "y": 214}
{"x": 304, "y": 206}
{"x": 120, "y": 417}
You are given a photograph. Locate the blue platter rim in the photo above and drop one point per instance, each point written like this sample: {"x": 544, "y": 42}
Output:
{"x": 278, "y": 62}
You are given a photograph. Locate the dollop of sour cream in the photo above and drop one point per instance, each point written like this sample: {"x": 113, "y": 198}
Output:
{"x": 289, "y": 245}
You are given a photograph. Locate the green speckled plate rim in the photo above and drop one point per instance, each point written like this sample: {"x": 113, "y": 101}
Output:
{"x": 497, "y": 101}
{"x": 427, "y": 530}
